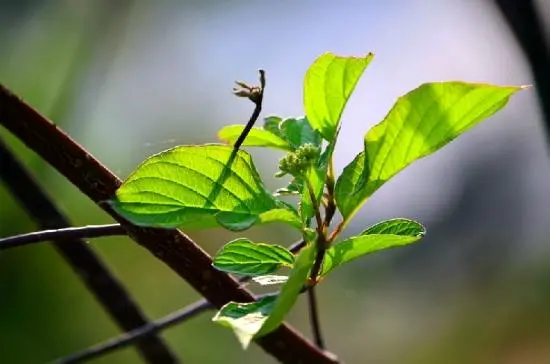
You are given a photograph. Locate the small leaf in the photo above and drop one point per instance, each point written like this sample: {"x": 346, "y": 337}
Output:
{"x": 192, "y": 183}
{"x": 256, "y": 137}
{"x": 328, "y": 85}
{"x": 399, "y": 226}
{"x": 419, "y": 123}
{"x": 242, "y": 256}
{"x": 290, "y": 291}
{"x": 373, "y": 239}
{"x": 270, "y": 279}
{"x": 272, "y": 123}
{"x": 293, "y": 188}
{"x": 245, "y": 319}
{"x": 298, "y": 131}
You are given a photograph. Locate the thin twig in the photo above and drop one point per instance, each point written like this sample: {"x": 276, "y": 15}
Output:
{"x": 256, "y": 95}
{"x": 314, "y": 318}
{"x": 102, "y": 284}
{"x": 138, "y": 334}
{"x": 179, "y": 316}
{"x": 174, "y": 248}
{"x": 70, "y": 233}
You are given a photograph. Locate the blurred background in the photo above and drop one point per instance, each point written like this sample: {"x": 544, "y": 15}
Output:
{"x": 129, "y": 79}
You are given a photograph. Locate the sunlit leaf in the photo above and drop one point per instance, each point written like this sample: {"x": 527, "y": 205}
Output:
{"x": 256, "y": 137}
{"x": 245, "y": 319}
{"x": 384, "y": 235}
{"x": 328, "y": 85}
{"x": 399, "y": 226}
{"x": 420, "y": 123}
{"x": 191, "y": 183}
{"x": 242, "y": 256}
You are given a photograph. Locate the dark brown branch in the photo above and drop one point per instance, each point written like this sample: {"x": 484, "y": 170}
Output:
{"x": 103, "y": 285}
{"x": 173, "y": 247}
{"x": 70, "y": 233}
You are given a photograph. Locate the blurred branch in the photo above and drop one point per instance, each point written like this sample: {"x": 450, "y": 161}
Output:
{"x": 140, "y": 333}
{"x": 166, "y": 322}
{"x": 69, "y": 233}
{"x": 526, "y": 24}
{"x": 103, "y": 285}
{"x": 173, "y": 247}
{"x": 314, "y": 317}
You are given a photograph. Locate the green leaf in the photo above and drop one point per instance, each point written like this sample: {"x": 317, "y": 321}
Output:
{"x": 272, "y": 124}
{"x": 281, "y": 215}
{"x": 270, "y": 279}
{"x": 242, "y": 256}
{"x": 192, "y": 183}
{"x": 399, "y": 226}
{"x": 298, "y": 131}
{"x": 294, "y": 187}
{"x": 419, "y": 123}
{"x": 256, "y": 137}
{"x": 236, "y": 222}
{"x": 290, "y": 290}
{"x": 245, "y": 319}
{"x": 375, "y": 238}
{"x": 328, "y": 85}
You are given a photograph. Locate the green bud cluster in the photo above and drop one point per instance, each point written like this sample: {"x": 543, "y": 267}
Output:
{"x": 297, "y": 163}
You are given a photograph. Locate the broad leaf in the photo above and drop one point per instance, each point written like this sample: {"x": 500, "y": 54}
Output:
{"x": 245, "y": 319}
{"x": 290, "y": 290}
{"x": 328, "y": 85}
{"x": 298, "y": 131}
{"x": 192, "y": 183}
{"x": 420, "y": 123}
{"x": 403, "y": 232}
{"x": 242, "y": 256}
{"x": 270, "y": 279}
{"x": 256, "y": 137}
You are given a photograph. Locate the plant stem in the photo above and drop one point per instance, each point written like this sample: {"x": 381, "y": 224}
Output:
{"x": 321, "y": 245}
{"x": 69, "y": 233}
{"x": 257, "y": 99}
{"x": 172, "y": 247}
{"x": 314, "y": 318}
{"x": 108, "y": 291}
